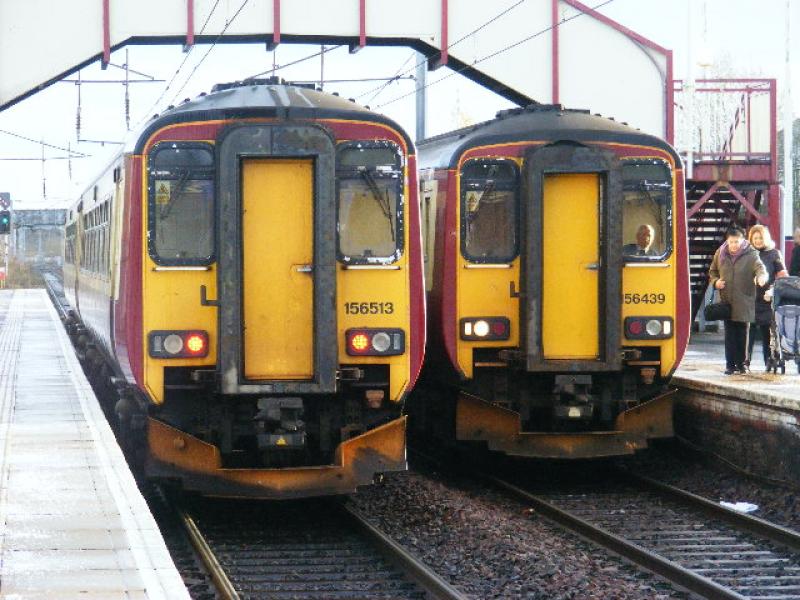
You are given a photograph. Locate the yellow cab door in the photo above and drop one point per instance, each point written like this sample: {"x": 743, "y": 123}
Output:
{"x": 570, "y": 266}
{"x": 277, "y": 268}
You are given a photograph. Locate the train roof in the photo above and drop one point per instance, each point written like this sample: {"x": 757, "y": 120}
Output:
{"x": 538, "y": 122}
{"x": 266, "y": 98}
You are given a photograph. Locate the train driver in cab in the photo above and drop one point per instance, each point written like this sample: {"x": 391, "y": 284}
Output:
{"x": 644, "y": 242}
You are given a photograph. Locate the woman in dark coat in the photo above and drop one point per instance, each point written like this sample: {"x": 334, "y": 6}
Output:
{"x": 761, "y": 240}
{"x": 794, "y": 264}
{"x": 735, "y": 271}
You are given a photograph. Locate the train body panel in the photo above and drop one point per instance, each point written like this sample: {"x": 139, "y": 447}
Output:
{"x": 91, "y": 256}
{"x": 540, "y": 300}
{"x": 268, "y": 307}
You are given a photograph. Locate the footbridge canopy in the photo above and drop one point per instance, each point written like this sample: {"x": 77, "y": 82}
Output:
{"x": 526, "y": 50}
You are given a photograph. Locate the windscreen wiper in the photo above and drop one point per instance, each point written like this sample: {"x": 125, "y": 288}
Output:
{"x": 378, "y": 197}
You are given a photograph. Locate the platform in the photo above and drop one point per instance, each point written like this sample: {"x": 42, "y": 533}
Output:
{"x": 703, "y": 369}
{"x": 752, "y": 421}
{"x": 72, "y": 522}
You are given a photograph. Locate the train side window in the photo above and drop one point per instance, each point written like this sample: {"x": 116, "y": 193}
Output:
{"x": 369, "y": 184}
{"x": 646, "y": 210}
{"x": 489, "y": 210}
{"x": 181, "y": 203}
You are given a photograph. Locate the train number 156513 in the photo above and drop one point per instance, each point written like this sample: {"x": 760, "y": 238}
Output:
{"x": 369, "y": 308}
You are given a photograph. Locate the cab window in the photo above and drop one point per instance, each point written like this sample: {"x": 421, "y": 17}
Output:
{"x": 369, "y": 182}
{"x": 489, "y": 210}
{"x": 181, "y": 204}
{"x": 646, "y": 210}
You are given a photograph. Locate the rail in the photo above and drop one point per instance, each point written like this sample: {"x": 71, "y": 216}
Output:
{"x": 332, "y": 560}
{"x": 723, "y": 553}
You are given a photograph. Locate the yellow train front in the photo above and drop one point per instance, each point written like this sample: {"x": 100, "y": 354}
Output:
{"x": 250, "y": 270}
{"x": 557, "y": 277}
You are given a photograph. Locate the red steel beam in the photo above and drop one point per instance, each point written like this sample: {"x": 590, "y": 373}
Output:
{"x": 670, "y": 102}
{"x": 362, "y": 27}
{"x": 744, "y": 202}
{"x": 703, "y": 199}
{"x": 189, "y": 25}
{"x": 106, "y": 35}
{"x": 773, "y": 129}
{"x": 554, "y": 51}
{"x": 774, "y": 195}
{"x": 276, "y": 25}
{"x": 362, "y": 23}
{"x": 443, "y": 54}
{"x": 749, "y": 127}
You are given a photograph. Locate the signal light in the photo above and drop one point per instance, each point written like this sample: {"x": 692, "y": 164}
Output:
{"x": 178, "y": 344}
{"x": 5, "y": 222}
{"x": 375, "y": 342}
{"x": 489, "y": 329}
{"x": 648, "y": 328}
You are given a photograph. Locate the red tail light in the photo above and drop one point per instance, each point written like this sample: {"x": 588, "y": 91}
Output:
{"x": 196, "y": 343}
{"x": 359, "y": 342}
{"x": 635, "y": 327}
{"x": 375, "y": 342}
{"x": 178, "y": 344}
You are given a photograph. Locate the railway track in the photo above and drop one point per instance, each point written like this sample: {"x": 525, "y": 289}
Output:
{"x": 698, "y": 545}
{"x": 302, "y": 551}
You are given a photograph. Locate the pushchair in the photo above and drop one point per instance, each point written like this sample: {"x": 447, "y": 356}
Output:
{"x": 785, "y": 328}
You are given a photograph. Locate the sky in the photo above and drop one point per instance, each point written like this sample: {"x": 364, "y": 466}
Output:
{"x": 739, "y": 37}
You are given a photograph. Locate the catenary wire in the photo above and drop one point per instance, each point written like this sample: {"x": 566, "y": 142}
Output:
{"x": 458, "y": 41}
{"x": 213, "y": 45}
{"x": 494, "y": 54}
{"x": 398, "y": 74}
{"x": 180, "y": 67}
{"x": 75, "y": 153}
{"x": 294, "y": 62}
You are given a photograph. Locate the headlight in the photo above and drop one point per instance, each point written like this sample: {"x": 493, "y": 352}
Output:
{"x": 173, "y": 344}
{"x": 481, "y": 328}
{"x": 381, "y": 342}
{"x": 178, "y": 344}
{"x": 653, "y": 327}
{"x": 485, "y": 328}
{"x": 648, "y": 328}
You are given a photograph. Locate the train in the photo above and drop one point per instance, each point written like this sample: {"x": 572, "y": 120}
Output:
{"x": 557, "y": 279}
{"x": 246, "y": 276}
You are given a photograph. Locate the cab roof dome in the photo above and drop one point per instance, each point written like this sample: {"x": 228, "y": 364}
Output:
{"x": 537, "y": 122}
{"x": 266, "y": 98}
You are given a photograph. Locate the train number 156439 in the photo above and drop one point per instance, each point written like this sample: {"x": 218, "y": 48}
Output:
{"x": 369, "y": 308}
{"x": 645, "y": 298}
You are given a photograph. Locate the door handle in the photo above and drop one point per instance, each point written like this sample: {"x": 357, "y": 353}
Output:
{"x": 595, "y": 266}
{"x": 304, "y": 268}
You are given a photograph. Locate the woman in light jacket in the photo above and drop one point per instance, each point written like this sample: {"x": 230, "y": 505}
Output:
{"x": 735, "y": 271}
{"x": 761, "y": 240}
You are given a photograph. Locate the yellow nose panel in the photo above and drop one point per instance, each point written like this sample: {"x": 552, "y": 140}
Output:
{"x": 277, "y": 278}
{"x": 571, "y": 258}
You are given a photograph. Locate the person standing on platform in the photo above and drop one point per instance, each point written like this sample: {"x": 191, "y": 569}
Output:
{"x": 735, "y": 271}
{"x": 794, "y": 262}
{"x": 761, "y": 240}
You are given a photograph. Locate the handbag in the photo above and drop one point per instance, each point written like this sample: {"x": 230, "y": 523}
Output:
{"x": 717, "y": 311}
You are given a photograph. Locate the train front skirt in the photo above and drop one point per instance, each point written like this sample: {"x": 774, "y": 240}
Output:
{"x": 177, "y": 455}
{"x": 501, "y": 429}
